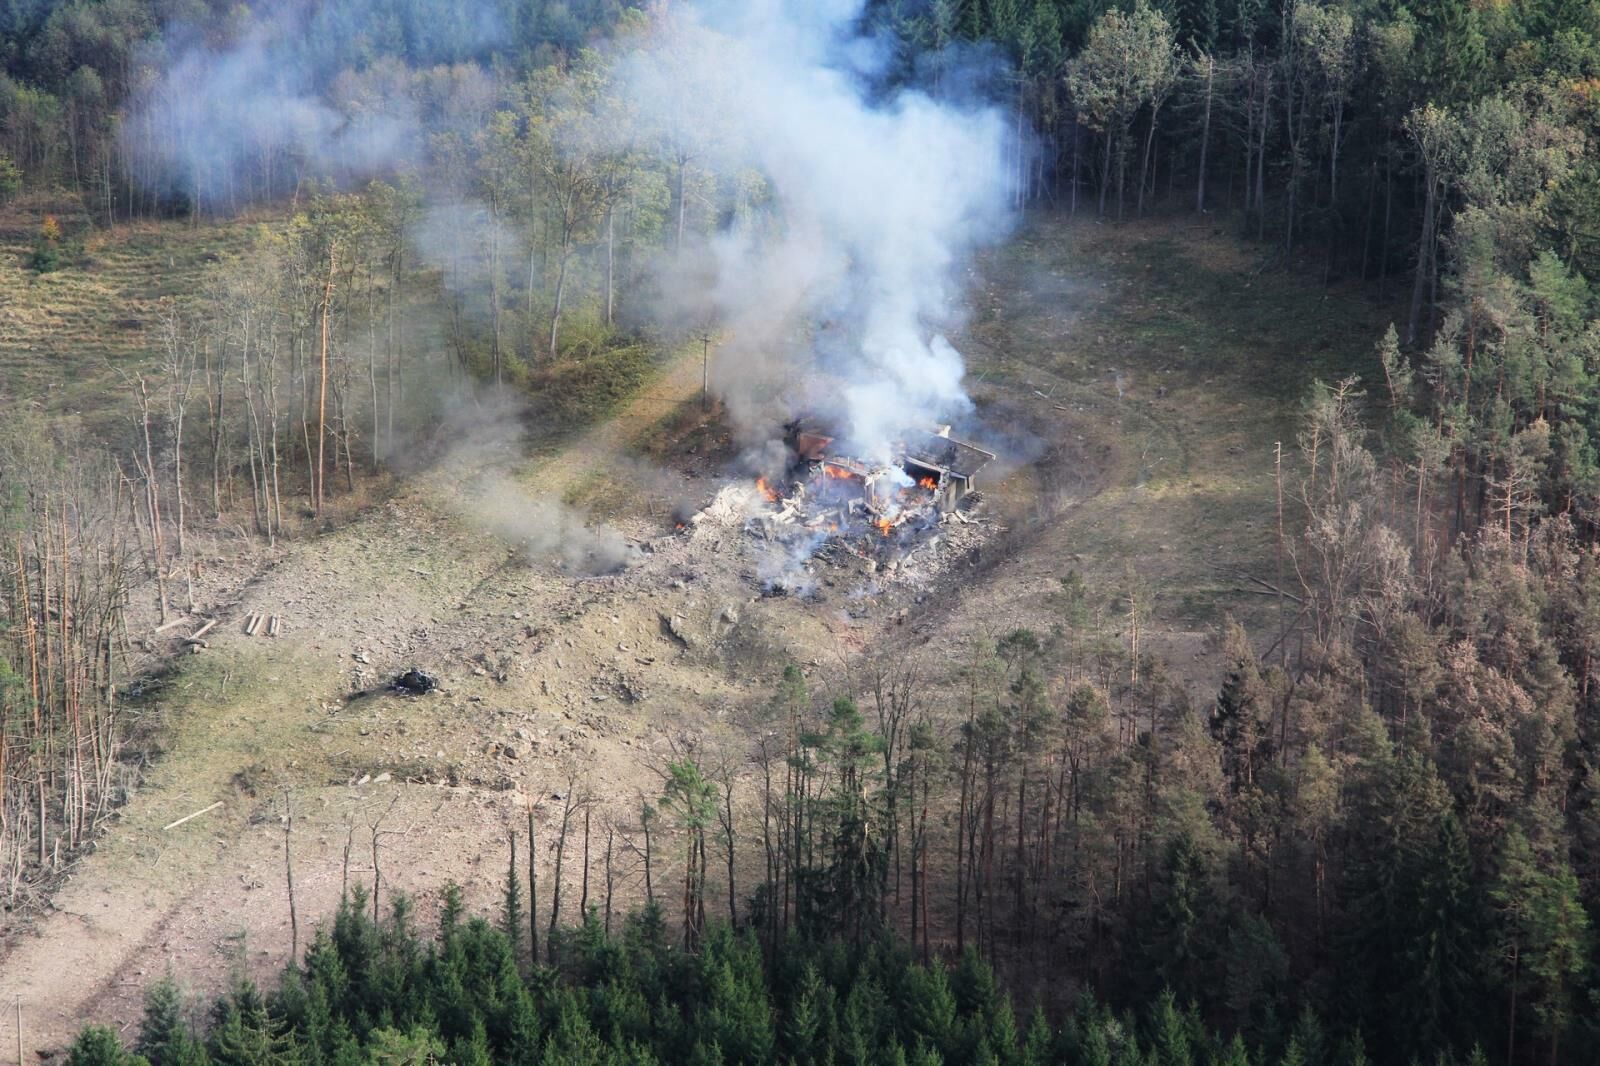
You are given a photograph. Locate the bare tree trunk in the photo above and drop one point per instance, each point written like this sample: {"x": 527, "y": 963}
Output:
{"x": 1105, "y": 173}
{"x": 288, "y": 875}
{"x": 1424, "y": 255}
{"x": 649, "y": 881}
{"x": 1144, "y": 165}
{"x": 494, "y": 285}
{"x": 1205, "y": 136}
{"x": 727, "y": 830}
{"x": 610, "y": 882}
{"x": 1264, "y": 113}
{"x": 683, "y": 196}
{"x": 611, "y": 264}
{"x": 322, "y": 389}
{"x": 561, "y": 288}
{"x": 583, "y": 895}
{"x": 533, "y": 891}
{"x": 569, "y": 805}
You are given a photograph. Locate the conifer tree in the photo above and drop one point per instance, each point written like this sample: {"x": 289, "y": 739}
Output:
{"x": 162, "y": 1031}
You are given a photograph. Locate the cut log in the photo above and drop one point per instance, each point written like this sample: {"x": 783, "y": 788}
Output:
{"x": 203, "y": 630}
{"x": 190, "y": 817}
{"x": 252, "y": 624}
{"x": 272, "y": 626}
{"x": 171, "y": 624}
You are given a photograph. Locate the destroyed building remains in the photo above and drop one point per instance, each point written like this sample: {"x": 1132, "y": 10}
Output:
{"x": 944, "y": 468}
{"x": 881, "y": 510}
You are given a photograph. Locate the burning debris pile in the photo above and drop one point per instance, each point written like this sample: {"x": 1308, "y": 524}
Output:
{"x": 826, "y": 503}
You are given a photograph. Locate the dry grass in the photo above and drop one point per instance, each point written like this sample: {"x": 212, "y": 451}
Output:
{"x": 1169, "y": 359}
{"x": 65, "y": 335}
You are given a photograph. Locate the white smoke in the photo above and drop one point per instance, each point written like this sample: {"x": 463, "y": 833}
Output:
{"x": 487, "y": 443}
{"x": 845, "y": 206}
{"x": 544, "y": 529}
{"x": 877, "y": 199}
{"x": 295, "y": 98}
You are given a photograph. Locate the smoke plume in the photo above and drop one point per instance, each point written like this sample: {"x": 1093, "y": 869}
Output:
{"x": 487, "y": 444}
{"x": 875, "y": 198}
{"x": 299, "y": 96}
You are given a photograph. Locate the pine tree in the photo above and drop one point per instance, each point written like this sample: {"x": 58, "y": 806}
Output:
{"x": 511, "y": 920}
{"x": 1171, "y": 1033}
{"x": 1038, "y": 1049}
{"x": 474, "y": 1050}
{"x": 804, "y": 1029}
{"x": 1235, "y": 1054}
{"x": 927, "y": 1008}
{"x": 1179, "y": 952}
{"x": 162, "y": 1031}
{"x": 1558, "y": 947}
{"x": 450, "y": 910}
{"x": 1002, "y": 1036}
{"x": 97, "y": 1045}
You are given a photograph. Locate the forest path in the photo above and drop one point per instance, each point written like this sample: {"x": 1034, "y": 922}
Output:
{"x": 624, "y": 432}
{"x": 252, "y": 717}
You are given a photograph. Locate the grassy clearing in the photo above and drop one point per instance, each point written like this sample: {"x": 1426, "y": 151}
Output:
{"x": 1172, "y": 362}
{"x": 65, "y": 335}
{"x": 571, "y": 394}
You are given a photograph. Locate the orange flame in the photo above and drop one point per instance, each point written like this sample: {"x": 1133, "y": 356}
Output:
{"x": 767, "y": 490}
{"x": 836, "y": 471}
{"x": 928, "y": 483}
{"x": 884, "y": 525}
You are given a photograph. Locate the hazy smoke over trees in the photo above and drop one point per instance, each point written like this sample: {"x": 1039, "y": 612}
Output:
{"x": 870, "y": 201}
{"x": 831, "y": 211}
{"x": 304, "y": 91}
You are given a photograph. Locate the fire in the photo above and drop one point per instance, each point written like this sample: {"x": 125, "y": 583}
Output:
{"x": 836, "y": 471}
{"x": 884, "y": 525}
{"x": 767, "y": 490}
{"x": 928, "y": 483}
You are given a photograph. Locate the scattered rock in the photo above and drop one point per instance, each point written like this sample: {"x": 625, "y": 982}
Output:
{"x": 672, "y": 627}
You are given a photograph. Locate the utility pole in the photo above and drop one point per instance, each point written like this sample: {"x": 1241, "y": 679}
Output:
{"x": 705, "y": 370}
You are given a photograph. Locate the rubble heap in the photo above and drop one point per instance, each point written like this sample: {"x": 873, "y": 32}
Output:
{"x": 905, "y": 518}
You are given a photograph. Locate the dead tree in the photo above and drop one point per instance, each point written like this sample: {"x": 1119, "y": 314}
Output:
{"x": 533, "y": 890}
{"x": 571, "y": 803}
{"x": 322, "y": 387}
{"x": 288, "y": 876}
{"x": 377, "y": 834}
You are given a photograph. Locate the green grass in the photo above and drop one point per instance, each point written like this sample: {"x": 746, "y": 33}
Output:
{"x": 1174, "y": 357}
{"x": 66, "y": 336}
{"x": 574, "y": 393}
